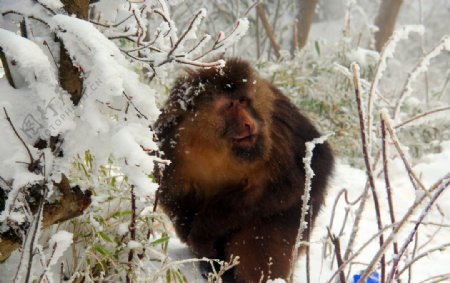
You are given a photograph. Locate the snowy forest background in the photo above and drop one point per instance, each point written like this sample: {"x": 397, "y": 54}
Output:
{"x": 79, "y": 95}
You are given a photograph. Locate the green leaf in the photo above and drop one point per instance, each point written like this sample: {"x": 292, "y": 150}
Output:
{"x": 162, "y": 240}
{"x": 101, "y": 250}
{"x": 122, "y": 213}
{"x": 181, "y": 278}
{"x": 104, "y": 236}
{"x": 317, "y": 46}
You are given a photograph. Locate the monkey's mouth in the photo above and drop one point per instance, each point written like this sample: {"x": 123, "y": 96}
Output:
{"x": 245, "y": 141}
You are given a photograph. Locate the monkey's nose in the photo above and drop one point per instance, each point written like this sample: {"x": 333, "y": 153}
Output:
{"x": 250, "y": 128}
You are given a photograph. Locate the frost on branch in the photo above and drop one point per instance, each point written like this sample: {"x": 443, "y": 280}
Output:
{"x": 421, "y": 67}
{"x": 386, "y": 53}
{"x": 309, "y": 175}
{"x": 155, "y": 48}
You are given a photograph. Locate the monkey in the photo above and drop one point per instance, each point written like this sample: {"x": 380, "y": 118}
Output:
{"x": 235, "y": 182}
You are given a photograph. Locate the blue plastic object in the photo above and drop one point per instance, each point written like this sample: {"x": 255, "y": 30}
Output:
{"x": 373, "y": 278}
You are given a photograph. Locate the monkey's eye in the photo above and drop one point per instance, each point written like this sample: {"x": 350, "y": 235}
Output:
{"x": 231, "y": 104}
{"x": 229, "y": 87}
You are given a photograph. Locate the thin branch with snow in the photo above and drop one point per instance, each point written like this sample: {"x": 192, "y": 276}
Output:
{"x": 421, "y": 66}
{"x": 366, "y": 153}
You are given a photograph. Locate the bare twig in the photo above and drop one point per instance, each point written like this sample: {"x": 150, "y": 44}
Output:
{"x": 112, "y": 25}
{"x": 36, "y": 228}
{"x": 219, "y": 41}
{"x": 387, "y": 52}
{"x": 386, "y": 178}
{"x": 343, "y": 192}
{"x": 130, "y": 100}
{"x": 339, "y": 260}
{"x": 418, "y": 69}
{"x": 309, "y": 174}
{"x": 355, "y": 228}
{"x": 198, "y": 16}
{"x": 32, "y": 161}
{"x": 437, "y": 279}
{"x": 168, "y": 21}
{"x": 366, "y": 154}
{"x": 47, "y": 264}
{"x": 416, "y": 242}
{"x": 411, "y": 173}
{"x": 421, "y": 115}
{"x": 268, "y": 29}
{"x": 422, "y": 255}
{"x": 132, "y": 229}
{"x": 216, "y": 275}
{"x": 201, "y": 41}
{"x": 250, "y": 8}
{"x": 437, "y": 189}
{"x": 356, "y": 253}
{"x": 215, "y": 64}
{"x": 30, "y": 17}
{"x": 258, "y": 39}
{"x": 51, "y": 53}
{"x": 445, "y": 182}
{"x": 45, "y": 7}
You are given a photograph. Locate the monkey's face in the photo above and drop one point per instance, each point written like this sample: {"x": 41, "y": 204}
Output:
{"x": 241, "y": 126}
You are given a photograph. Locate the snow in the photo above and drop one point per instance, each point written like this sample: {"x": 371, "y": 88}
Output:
{"x": 33, "y": 64}
{"x": 100, "y": 126}
{"x": 354, "y": 181}
{"x": 110, "y": 81}
{"x": 60, "y": 242}
{"x": 240, "y": 29}
{"x": 134, "y": 245}
{"x": 52, "y": 4}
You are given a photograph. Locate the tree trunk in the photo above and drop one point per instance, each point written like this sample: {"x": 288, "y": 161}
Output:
{"x": 69, "y": 75}
{"x": 305, "y": 16}
{"x": 385, "y": 21}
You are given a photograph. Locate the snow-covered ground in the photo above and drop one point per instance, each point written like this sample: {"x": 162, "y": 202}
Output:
{"x": 431, "y": 168}
{"x": 432, "y": 233}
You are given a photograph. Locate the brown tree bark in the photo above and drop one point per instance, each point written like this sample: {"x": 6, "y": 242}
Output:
{"x": 385, "y": 21}
{"x": 69, "y": 75}
{"x": 305, "y": 16}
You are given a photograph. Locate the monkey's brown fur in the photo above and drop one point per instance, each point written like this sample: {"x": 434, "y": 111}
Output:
{"x": 227, "y": 196}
